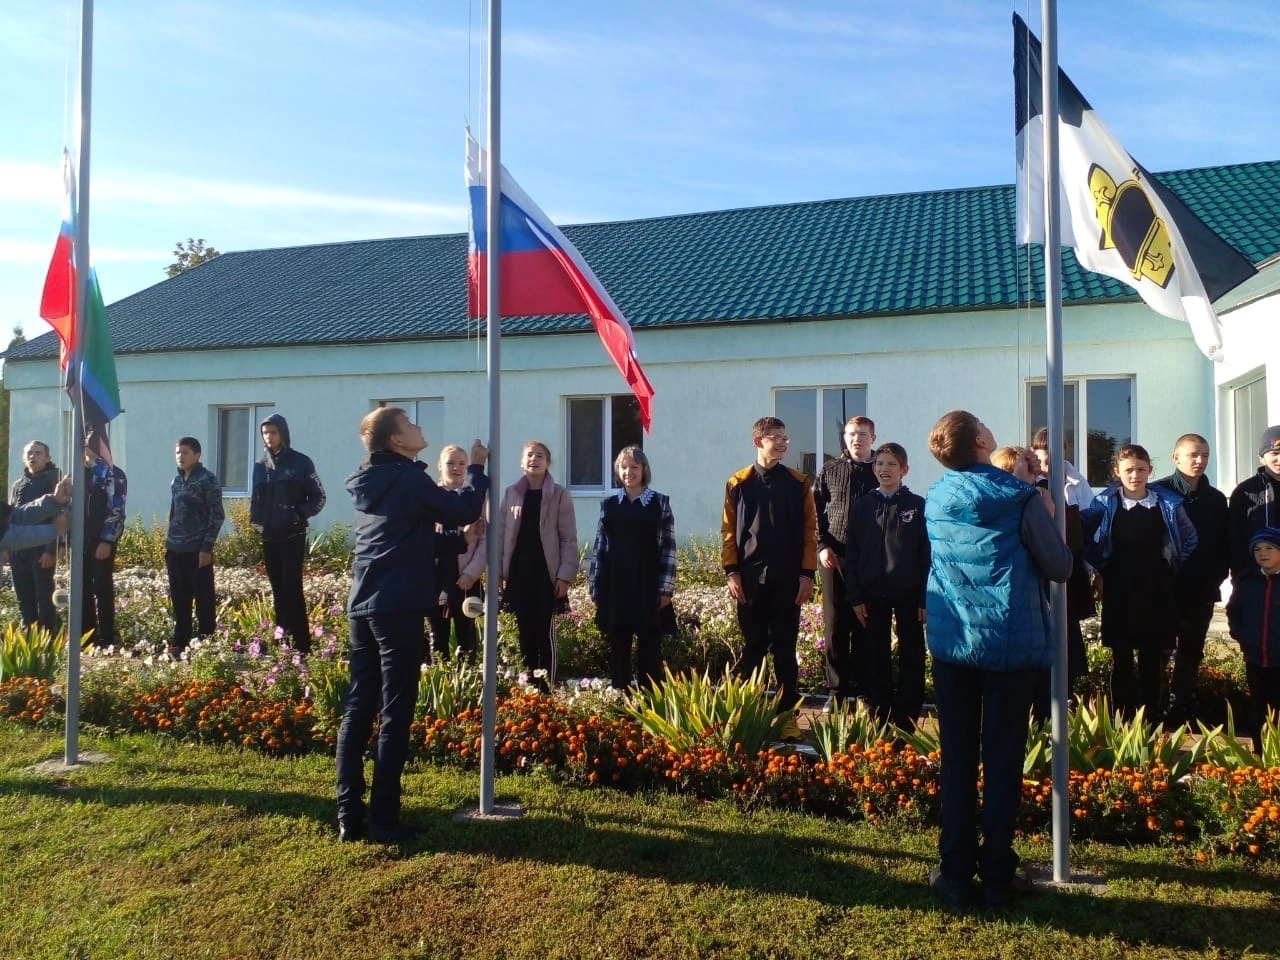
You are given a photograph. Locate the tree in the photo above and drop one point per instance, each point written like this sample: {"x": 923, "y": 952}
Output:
{"x": 190, "y": 254}
{"x": 18, "y": 340}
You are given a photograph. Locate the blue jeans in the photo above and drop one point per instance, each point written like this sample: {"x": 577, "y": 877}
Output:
{"x": 33, "y": 586}
{"x": 386, "y": 654}
{"x": 983, "y": 710}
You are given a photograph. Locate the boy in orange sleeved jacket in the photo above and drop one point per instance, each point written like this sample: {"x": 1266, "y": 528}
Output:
{"x": 769, "y": 551}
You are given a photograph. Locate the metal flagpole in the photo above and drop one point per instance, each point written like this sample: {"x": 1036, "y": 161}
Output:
{"x": 1054, "y": 396}
{"x": 75, "y": 613}
{"x": 493, "y": 228}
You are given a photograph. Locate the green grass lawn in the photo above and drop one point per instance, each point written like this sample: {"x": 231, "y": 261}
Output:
{"x": 194, "y": 852}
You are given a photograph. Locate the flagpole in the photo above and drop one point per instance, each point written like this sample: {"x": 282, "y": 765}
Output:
{"x": 1057, "y": 448}
{"x": 493, "y": 227}
{"x": 75, "y": 612}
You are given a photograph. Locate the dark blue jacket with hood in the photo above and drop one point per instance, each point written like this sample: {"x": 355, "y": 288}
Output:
{"x": 286, "y": 489}
{"x": 397, "y": 508}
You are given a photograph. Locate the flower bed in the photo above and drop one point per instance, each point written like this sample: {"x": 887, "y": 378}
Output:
{"x": 1214, "y": 811}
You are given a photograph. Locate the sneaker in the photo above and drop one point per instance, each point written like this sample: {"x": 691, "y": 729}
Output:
{"x": 789, "y": 729}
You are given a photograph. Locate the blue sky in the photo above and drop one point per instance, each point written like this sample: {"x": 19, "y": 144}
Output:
{"x": 262, "y": 123}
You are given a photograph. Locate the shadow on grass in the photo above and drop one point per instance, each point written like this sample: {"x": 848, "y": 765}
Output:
{"x": 833, "y": 872}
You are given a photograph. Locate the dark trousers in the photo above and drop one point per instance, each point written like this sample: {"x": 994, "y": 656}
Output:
{"x": 189, "y": 583}
{"x": 1144, "y": 687}
{"x": 33, "y": 586}
{"x": 899, "y": 704}
{"x": 981, "y": 710}
{"x": 98, "y": 597}
{"x": 648, "y": 649}
{"x": 537, "y": 642}
{"x": 460, "y": 624}
{"x": 840, "y": 634}
{"x": 1264, "y": 695}
{"x": 770, "y": 623}
{"x": 386, "y": 654}
{"x": 1192, "y": 625}
{"x": 284, "y": 561}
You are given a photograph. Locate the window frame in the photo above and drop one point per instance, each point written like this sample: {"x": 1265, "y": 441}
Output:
{"x": 257, "y": 412}
{"x": 819, "y": 391}
{"x": 433, "y": 433}
{"x": 1081, "y": 386}
{"x": 608, "y": 416}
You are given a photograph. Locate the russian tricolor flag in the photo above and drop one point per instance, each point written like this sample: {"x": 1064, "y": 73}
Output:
{"x": 57, "y": 301}
{"x": 542, "y": 273}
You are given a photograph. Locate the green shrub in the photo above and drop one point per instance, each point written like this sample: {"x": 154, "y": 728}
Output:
{"x": 1223, "y": 747}
{"x": 688, "y": 709}
{"x": 30, "y": 652}
{"x": 845, "y": 726}
{"x": 448, "y": 686}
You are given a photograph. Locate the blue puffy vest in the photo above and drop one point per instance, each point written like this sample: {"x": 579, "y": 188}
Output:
{"x": 987, "y": 604}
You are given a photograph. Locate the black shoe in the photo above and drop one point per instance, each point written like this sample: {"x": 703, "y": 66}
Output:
{"x": 350, "y": 831}
{"x": 998, "y": 896}
{"x": 950, "y": 893}
{"x": 399, "y": 833}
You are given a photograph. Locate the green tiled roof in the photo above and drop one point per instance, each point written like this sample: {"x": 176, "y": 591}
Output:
{"x": 903, "y": 254}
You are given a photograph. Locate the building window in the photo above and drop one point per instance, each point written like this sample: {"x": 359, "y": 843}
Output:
{"x": 1098, "y": 408}
{"x": 427, "y": 413}
{"x": 815, "y": 419}
{"x": 239, "y": 444}
{"x": 599, "y": 427}
{"x": 1249, "y": 422}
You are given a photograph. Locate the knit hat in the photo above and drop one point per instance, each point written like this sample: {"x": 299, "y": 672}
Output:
{"x": 1269, "y": 535}
{"x": 1270, "y": 441}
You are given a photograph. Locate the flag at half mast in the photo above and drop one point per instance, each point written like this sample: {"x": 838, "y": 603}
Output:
{"x": 1120, "y": 220}
{"x": 542, "y": 273}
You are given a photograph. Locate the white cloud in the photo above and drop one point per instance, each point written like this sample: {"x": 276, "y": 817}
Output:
{"x": 35, "y": 185}
{"x": 29, "y": 251}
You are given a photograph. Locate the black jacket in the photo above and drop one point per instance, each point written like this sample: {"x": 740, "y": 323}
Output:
{"x": 33, "y": 486}
{"x": 768, "y": 531}
{"x": 286, "y": 489}
{"x": 1253, "y": 616}
{"x": 1199, "y": 578}
{"x": 397, "y": 508}
{"x": 840, "y": 482}
{"x": 195, "y": 511}
{"x": 1254, "y": 504}
{"x": 887, "y": 557}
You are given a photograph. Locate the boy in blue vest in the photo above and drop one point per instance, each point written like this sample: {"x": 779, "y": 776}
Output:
{"x": 993, "y": 545}
{"x": 1253, "y": 616}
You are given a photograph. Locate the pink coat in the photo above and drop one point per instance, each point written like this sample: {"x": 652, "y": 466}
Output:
{"x": 557, "y": 526}
{"x": 473, "y": 559}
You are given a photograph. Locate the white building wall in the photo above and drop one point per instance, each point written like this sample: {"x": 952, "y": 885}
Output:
{"x": 711, "y": 383}
{"x": 1251, "y": 340}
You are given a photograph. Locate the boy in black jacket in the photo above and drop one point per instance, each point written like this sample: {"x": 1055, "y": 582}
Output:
{"x": 768, "y": 549}
{"x": 886, "y": 569}
{"x": 1253, "y": 615}
{"x": 1255, "y": 503}
{"x": 1198, "y": 582}
{"x": 841, "y": 481}
{"x": 286, "y": 494}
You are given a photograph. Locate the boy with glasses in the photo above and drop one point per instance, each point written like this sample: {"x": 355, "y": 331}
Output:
{"x": 769, "y": 554}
